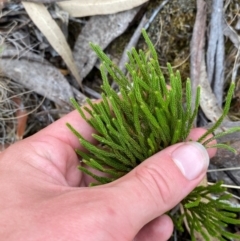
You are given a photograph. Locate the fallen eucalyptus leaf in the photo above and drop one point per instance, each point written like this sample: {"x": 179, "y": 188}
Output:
{"x": 208, "y": 101}
{"x": 100, "y": 30}
{"x": 43, "y": 20}
{"x": 81, "y": 8}
{"x": 21, "y": 116}
{"x": 230, "y": 33}
{"x": 36, "y": 74}
{"x": 35, "y": 1}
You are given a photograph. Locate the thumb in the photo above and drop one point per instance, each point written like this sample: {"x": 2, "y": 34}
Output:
{"x": 161, "y": 182}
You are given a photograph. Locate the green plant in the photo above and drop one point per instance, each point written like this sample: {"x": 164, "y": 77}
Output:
{"x": 145, "y": 118}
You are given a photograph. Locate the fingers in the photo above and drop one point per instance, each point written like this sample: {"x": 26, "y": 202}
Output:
{"x": 60, "y": 131}
{"x": 161, "y": 182}
{"x": 57, "y": 144}
{"x": 160, "y": 229}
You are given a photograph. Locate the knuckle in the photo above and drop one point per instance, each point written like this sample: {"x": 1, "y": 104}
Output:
{"x": 156, "y": 182}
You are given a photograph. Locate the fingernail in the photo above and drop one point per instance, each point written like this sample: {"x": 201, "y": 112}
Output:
{"x": 192, "y": 159}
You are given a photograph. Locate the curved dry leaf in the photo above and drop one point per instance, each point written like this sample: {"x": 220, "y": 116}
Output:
{"x": 43, "y": 20}
{"x": 81, "y": 8}
{"x": 100, "y": 30}
{"x": 208, "y": 101}
{"x": 36, "y": 74}
{"x": 21, "y": 116}
{"x": 35, "y": 1}
{"x": 229, "y": 32}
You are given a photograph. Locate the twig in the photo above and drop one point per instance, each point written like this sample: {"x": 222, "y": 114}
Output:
{"x": 156, "y": 11}
{"x": 229, "y": 32}
{"x": 226, "y": 185}
{"x": 224, "y": 169}
{"x": 23, "y": 115}
{"x": 215, "y": 51}
{"x": 52, "y": 112}
{"x": 144, "y": 23}
{"x": 235, "y": 67}
{"x": 79, "y": 96}
{"x": 233, "y": 178}
{"x": 197, "y": 45}
{"x": 228, "y": 172}
{"x": 91, "y": 92}
{"x": 132, "y": 43}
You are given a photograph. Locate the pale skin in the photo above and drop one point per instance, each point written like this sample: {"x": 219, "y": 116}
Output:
{"x": 45, "y": 197}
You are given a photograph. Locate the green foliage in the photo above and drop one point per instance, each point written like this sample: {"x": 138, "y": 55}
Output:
{"x": 146, "y": 117}
{"x": 210, "y": 216}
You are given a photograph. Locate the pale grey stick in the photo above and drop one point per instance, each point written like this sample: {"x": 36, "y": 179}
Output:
{"x": 218, "y": 82}
{"x": 212, "y": 41}
{"x": 197, "y": 45}
{"x": 132, "y": 43}
{"x": 156, "y": 11}
{"x": 215, "y": 51}
{"x": 145, "y": 23}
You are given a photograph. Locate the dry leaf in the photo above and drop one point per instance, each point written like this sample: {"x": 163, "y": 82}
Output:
{"x": 36, "y": 74}
{"x": 34, "y": 1}
{"x": 99, "y": 30}
{"x": 22, "y": 116}
{"x": 81, "y": 8}
{"x": 231, "y": 34}
{"x": 208, "y": 101}
{"x": 43, "y": 20}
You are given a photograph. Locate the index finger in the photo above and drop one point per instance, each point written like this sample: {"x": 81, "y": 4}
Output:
{"x": 60, "y": 130}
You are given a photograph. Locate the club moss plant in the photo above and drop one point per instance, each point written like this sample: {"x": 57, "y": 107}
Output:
{"x": 144, "y": 118}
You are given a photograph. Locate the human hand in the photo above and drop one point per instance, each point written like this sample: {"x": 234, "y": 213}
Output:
{"x": 45, "y": 197}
